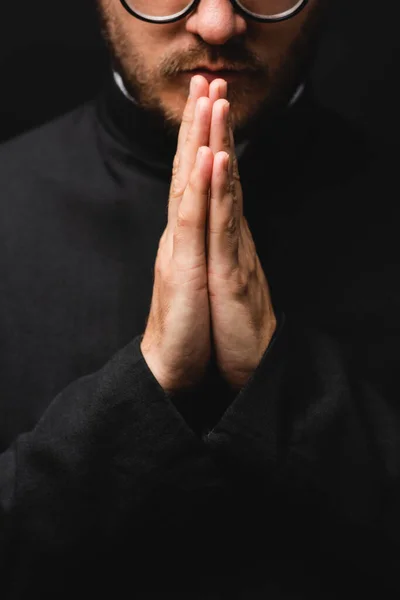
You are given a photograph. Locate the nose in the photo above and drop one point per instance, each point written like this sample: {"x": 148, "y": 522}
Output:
{"x": 216, "y": 21}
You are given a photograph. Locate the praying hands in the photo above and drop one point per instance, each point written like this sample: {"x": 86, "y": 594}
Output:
{"x": 209, "y": 288}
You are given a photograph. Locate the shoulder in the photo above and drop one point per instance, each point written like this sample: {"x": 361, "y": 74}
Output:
{"x": 44, "y": 174}
{"x": 54, "y": 152}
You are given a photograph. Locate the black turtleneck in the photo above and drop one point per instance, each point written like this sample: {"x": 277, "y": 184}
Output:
{"x": 289, "y": 489}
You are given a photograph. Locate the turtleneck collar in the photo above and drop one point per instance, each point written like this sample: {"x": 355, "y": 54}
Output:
{"x": 120, "y": 83}
{"x": 143, "y": 136}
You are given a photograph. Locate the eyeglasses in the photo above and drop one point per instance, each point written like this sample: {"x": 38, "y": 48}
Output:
{"x": 169, "y": 11}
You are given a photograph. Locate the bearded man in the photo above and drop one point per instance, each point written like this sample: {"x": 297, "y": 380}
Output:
{"x": 199, "y": 344}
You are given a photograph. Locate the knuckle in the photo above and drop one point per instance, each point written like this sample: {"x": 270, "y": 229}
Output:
{"x": 190, "y": 135}
{"x": 193, "y": 180}
{"x": 176, "y": 190}
{"x": 163, "y": 256}
{"x": 187, "y": 115}
{"x": 243, "y": 279}
{"x": 163, "y": 238}
{"x": 167, "y": 275}
{"x": 158, "y": 274}
{"x": 254, "y": 266}
{"x": 242, "y": 286}
{"x": 179, "y": 234}
{"x": 227, "y": 227}
{"x": 165, "y": 280}
{"x": 176, "y": 164}
{"x": 163, "y": 246}
{"x": 192, "y": 184}
{"x": 230, "y": 227}
{"x": 183, "y": 221}
{"x": 232, "y": 190}
{"x": 175, "y": 193}
{"x": 160, "y": 263}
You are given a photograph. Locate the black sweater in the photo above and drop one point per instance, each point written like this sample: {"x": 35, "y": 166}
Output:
{"x": 289, "y": 489}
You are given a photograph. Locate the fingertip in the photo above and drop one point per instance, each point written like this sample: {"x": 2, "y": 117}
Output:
{"x": 218, "y": 89}
{"x": 204, "y": 157}
{"x": 222, "y": 158}
{"x": 199, "y": 156}
{"x": 198, "y": 87}
{"x": 224, "y": 89}
{"x": 210, "y": 155}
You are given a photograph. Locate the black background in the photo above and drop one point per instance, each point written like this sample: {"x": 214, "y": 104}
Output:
{"x": 52, "y": 58}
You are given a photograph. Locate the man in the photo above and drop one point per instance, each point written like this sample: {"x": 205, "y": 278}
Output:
{"x": 199, "y": 337}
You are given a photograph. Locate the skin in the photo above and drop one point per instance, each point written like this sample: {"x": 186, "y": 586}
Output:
{"x": 150, "y": 57}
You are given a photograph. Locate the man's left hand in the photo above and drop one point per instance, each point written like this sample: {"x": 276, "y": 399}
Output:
{"x": 242, "y": 315}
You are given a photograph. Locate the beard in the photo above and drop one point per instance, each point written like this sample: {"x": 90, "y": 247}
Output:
{"x": 254, "y": 101}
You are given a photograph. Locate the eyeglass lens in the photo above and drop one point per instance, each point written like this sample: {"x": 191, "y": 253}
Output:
{"x": 170, "y": 8}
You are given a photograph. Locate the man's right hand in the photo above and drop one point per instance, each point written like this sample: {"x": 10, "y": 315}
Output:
{"x": 177, "y": 341}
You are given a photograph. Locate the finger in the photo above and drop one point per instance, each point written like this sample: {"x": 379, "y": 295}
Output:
{"x": 189, "y": 240}
{"x": 219, "y": 140}
{"x": 235, "y": 163}
{"x": 198, "y": 135}
{"x": 222, "y": 139}
{"x": 219, "y": 134}
{"x": 199, "y": 87}
{"x": 223, "y": 225}
{"x": 218, "y": 90}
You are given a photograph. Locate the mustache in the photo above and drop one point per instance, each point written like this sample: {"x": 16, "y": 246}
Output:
{"x": 233, "y": 56}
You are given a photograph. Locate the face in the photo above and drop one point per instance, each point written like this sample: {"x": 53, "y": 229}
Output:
{"x": 151, "y": 58}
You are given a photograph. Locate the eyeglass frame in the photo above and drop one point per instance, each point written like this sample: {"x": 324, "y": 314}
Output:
{"x": 235, "y": 3}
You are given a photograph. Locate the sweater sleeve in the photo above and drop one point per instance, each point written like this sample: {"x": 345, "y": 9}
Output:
{"x": 313, "y": 443}
{"x": 110, "y": 460}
